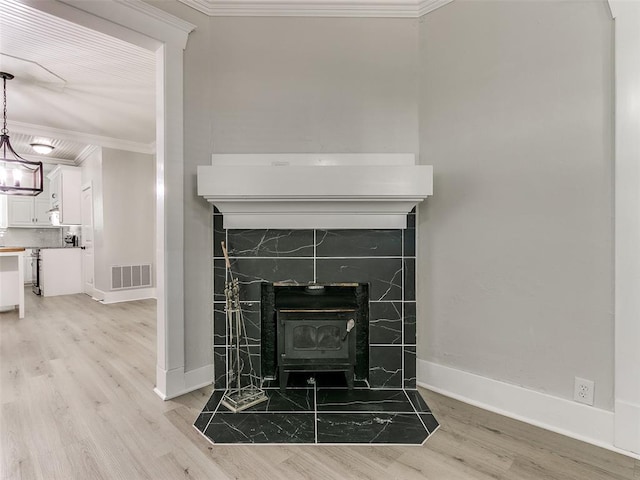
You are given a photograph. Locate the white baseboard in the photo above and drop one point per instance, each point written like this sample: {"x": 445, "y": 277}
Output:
{"x": 627, "y": 427}
{"x": 582, "y": 422}
{"x": 124, "y": 295}
{"x": 173, "y": 383}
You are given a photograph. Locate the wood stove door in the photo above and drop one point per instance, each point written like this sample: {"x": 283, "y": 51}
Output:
{"x": 315, "y": 337}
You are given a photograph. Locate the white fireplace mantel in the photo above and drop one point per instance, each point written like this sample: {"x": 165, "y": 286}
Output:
{"x": 327, "y": 191}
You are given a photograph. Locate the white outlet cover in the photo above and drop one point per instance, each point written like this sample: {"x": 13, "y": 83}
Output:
{"x": 583, "y": 391}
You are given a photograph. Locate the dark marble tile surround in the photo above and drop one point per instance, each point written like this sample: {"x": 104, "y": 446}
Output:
{"x": 311, "y": 414}
{"x": 384, "y": 407}
{"x": 385, "y": 259}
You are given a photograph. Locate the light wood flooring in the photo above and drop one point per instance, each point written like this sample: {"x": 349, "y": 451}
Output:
{"x": 77, "y": 402}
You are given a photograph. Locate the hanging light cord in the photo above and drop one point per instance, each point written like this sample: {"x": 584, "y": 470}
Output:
{"x": 4, "y": 106}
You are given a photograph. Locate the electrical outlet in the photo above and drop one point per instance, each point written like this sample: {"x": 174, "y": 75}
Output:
{"x": 583, "y": 391}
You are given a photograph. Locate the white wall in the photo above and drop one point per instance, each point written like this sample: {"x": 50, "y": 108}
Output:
{"x": 314, "y": 85}
{"x": 516, "y": 252}
{"x": 123, "y": 210}
{"x": 128, "y": 202}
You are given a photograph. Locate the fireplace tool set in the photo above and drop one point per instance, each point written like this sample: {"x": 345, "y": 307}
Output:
{"x": 240, "y": 394}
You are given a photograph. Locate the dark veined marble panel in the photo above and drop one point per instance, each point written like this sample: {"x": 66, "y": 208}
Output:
{"x": 262, "y": 428}
{"x": 219, "y": 235}
{"x": 219, "y": 280}
{"x": 270, "y": 243}
{"x": 363, "y": 400}
{"x": 250, "y": 365}
{"x": 388, "y": 428}
{"x": 203, "y": 420}
{"x": 409, "y": 237}
{"x": 410, "y": 323}
{"x": 417, "y": 401}
{"x": 359, "y": 243}
{"x": 219, "y": 324}
{"x": 252, "y": 272}
{"x": 214, "y": 401}
{"x": 385, "y": 323}
{"x": 384, "y": 275}
{"x": 251, "y": 316}
{"x": 409, "y": 380}
{"x": 429, "y": 422}
{"x": 385, "y": 367}
{"x": 291, "y": 400}
{"x": 220, "y": 367}
{"x": 409, "y": 279}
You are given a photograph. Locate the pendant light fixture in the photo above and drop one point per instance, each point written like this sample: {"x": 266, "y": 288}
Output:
{"x": 17, "y": 175}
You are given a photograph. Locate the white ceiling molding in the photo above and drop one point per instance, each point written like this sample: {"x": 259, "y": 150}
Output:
{"x": 48, "y": 160}
{"x": 304, "y": 191}
{"x": 158, "y": 23}
{"x": 86, "y": 153}
{"x": 318, "y": 8}
{"x": 428, "y": 6}
{"x": 79, "y": 137}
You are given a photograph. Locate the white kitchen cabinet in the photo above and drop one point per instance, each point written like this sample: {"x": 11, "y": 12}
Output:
{"x": 65, "y": 194}
{"x": 29, "y": 211}
{"x": 11, "y": 279}
{"x": 4, "y": 220}
{"x": 60, "y": 271}
{"x": 28, "y": 267}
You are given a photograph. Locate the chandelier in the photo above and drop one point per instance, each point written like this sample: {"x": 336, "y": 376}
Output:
{"x": 17, "y": 175}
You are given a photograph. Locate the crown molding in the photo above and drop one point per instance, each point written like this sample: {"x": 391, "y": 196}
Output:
{"x": 158, "y": 24}
{"x": 47, "y": 160}
{"x": 429, "y": 6}
{"x": 86, "y": 153}
{"x": 160, "y": 15}
{"x": 79, "y": 137}
{"x": 317, "y": 8}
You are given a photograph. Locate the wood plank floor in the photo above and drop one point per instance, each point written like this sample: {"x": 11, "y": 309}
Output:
{"x": 77, "y": 402}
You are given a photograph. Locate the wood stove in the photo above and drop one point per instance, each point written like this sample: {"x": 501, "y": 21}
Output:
{"x": 316, "y": 329}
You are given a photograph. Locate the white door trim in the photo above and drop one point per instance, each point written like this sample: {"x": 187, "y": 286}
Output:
{"x": 626, "y": 15}
{"x": 149, "y": 27}
{"x": 91, "y": 291}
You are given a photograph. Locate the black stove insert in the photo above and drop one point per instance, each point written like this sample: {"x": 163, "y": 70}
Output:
{"x": 319, "y": 328}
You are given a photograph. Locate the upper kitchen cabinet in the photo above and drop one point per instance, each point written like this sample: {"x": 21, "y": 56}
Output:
{"x": 31, "y": 212}
{"x": 66, "y": 194}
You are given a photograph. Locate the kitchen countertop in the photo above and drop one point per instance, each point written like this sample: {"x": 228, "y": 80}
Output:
{"x": 39, "y": 248}
{"x": 11, "y": 249}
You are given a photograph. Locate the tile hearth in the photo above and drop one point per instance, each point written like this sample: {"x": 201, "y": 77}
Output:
{"x": 313, "y": 414}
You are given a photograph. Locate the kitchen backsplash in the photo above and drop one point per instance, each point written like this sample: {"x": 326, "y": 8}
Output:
{"x": 35, "y": 237}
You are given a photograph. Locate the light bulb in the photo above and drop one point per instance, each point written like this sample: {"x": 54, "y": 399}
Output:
{"x": 3, "y": 176}
{"x": 17, "y": 177}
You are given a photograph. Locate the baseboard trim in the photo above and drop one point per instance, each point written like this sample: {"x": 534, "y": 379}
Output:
{"x": 124, "y": 295}
{"x": 582, "y": 422}
{"x": 174, "y": 383}
{"x": 627, "y": 427}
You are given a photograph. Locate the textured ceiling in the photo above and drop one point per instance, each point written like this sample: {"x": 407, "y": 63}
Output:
{"x": 73, "y": 79}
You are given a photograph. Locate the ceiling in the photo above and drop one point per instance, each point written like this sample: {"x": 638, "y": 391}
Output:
{"x": 74, "y": 87}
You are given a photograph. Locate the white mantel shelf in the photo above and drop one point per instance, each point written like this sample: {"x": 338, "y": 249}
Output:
{"x": 324, "y": 191}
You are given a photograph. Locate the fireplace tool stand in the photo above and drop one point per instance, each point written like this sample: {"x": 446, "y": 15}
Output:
{"x": 238, "y": 397}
